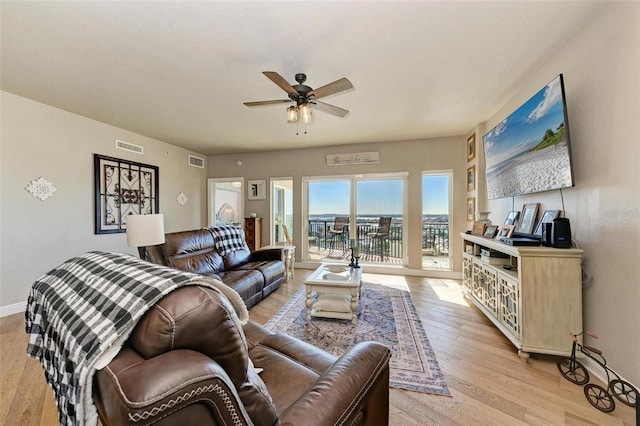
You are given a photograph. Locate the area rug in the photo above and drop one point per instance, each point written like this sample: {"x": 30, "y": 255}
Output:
{"x": 385, "y": 315}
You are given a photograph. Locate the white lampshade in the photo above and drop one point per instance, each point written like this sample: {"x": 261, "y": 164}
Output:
{"x": 145, "y": 230}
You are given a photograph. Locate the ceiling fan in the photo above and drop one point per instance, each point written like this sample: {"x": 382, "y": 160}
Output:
{"x": 304, "y": 96}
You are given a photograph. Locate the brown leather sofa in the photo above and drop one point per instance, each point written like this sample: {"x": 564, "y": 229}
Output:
{"x": 187, "y": 362}
{"x": 252, "y": 274}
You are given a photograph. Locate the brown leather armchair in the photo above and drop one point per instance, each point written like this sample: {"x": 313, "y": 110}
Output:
{"x": 189, "y": 361}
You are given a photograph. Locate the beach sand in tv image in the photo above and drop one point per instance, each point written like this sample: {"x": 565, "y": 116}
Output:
{"x": 529, "y": 151}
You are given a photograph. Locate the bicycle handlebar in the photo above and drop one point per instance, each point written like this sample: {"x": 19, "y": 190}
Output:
{"x": 588, "y": 333}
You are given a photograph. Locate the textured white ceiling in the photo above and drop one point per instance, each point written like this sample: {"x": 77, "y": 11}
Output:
{"x": 180, "y": 71}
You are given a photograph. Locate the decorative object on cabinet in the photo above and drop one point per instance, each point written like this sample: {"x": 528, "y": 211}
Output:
{"x": 471, "y": 209}
{"x": 547, "y": 217}
{"x": 484, "y": 218}
{"x": 471, "y": 147}
{"x": 253, "y": 232}
{"x": 256, "y": 190}
{"x": 122, "y": 188}
{"x": 478, "y": 228}
{"x": 534, "y": 303}
{"x": 41, "y": 188}
{"x": 505, "y": 231}
{"x": 471, "y": 178}
{"x": 512, "y": 218}
{"x": 490, "y": 231}
{"x": 528, "y": 218}
{"x": 182, "y": 199}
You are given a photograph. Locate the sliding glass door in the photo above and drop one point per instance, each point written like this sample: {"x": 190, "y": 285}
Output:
{"x": 328, "y": 208}
{"x": 366, "y": 210}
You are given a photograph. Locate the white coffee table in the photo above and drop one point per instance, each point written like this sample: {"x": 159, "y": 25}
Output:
{"x": 331, "y": 280}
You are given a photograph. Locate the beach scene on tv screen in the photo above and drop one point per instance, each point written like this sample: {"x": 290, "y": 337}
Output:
{"x": 529, "y": 152}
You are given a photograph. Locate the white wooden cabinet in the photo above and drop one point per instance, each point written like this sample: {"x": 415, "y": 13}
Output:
{"x": 536, "y": 304}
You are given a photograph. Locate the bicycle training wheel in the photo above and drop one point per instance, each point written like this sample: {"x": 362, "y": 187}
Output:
{"x": 573, "y": 371}
{"x": 599, "y": 397}
{"x": 624, "y": 391}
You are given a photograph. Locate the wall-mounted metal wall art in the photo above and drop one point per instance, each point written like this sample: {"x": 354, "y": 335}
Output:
{"x": 41, "y": 188}
{"x": 122, "y": 188}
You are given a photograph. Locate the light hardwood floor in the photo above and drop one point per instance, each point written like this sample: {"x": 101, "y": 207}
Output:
{"x": 488, "y": 382}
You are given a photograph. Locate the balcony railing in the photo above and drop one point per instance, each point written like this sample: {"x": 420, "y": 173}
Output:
{"x": 435, "y": 238}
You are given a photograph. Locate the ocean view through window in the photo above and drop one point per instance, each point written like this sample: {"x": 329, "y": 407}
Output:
{"x": 359, "y": 202}
{"x": 436, "y": 224}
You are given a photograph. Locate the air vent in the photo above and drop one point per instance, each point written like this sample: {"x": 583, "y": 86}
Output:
{"x": 196, "y": 161}
{"x": 126, "y": 146}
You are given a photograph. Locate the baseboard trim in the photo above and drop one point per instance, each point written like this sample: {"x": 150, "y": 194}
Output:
{"x": 12, "y": 309}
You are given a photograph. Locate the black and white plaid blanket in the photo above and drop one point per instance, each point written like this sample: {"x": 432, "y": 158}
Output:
{"x": 79, "y": 314}
{"x": 228, "y": 239}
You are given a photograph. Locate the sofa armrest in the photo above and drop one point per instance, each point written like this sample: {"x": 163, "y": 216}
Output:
{"x": 130, "y": 389}
{"x": 355, "y": 389}
{"x": 266, "y": 255}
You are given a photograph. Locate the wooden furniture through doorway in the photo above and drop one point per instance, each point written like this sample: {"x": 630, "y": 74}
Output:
{"x": 253, "y": 232}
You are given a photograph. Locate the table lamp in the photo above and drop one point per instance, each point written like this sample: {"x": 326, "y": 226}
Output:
{"x": 145, "y": 230}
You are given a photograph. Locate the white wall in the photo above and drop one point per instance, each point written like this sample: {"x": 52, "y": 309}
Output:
{"x": 410, "y": 156}
{"x": 41, "y": 141}
{"x": 601, "y": 68}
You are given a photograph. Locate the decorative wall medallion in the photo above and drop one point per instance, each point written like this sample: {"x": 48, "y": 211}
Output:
{"x": 41, "y": 188}
{"x": 182, "y": 199}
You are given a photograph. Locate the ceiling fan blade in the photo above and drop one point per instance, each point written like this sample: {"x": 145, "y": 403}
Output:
{"x": 281, "y": 82}
{"x": 331, "y": 88}
{"x": 261, "y": 103}
{"x": 331, "y": 109}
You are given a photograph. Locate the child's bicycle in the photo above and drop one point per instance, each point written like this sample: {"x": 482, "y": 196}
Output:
{"x": 598, "y": 396}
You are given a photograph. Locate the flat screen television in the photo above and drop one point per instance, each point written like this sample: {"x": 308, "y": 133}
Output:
{"x": 530, "y": 150}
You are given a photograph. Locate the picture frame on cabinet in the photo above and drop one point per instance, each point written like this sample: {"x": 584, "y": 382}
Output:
{"x": 547, "y": 217}
{"x": 490, "y": 231}
{"x": 471, "y": 147}
{"x": 478, "y": 228}
{"x": 528, "y": 218}
{"x": 471, "y": 178}
{"x": 505, "y": 231}
{"x": 471, "y": 209}
{"x": 512, "y": 218}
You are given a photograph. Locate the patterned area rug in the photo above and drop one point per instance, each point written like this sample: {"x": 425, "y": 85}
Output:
{"x": 385, "y": 315}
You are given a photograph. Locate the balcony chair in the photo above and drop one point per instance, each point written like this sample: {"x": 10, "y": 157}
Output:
{"x": 339, "y": 233}
{"x": 381, "y": 235}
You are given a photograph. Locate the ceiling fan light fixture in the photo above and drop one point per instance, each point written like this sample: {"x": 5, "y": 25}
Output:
{"x": 292, "y": 114}
{"x": 305, "y": 112}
